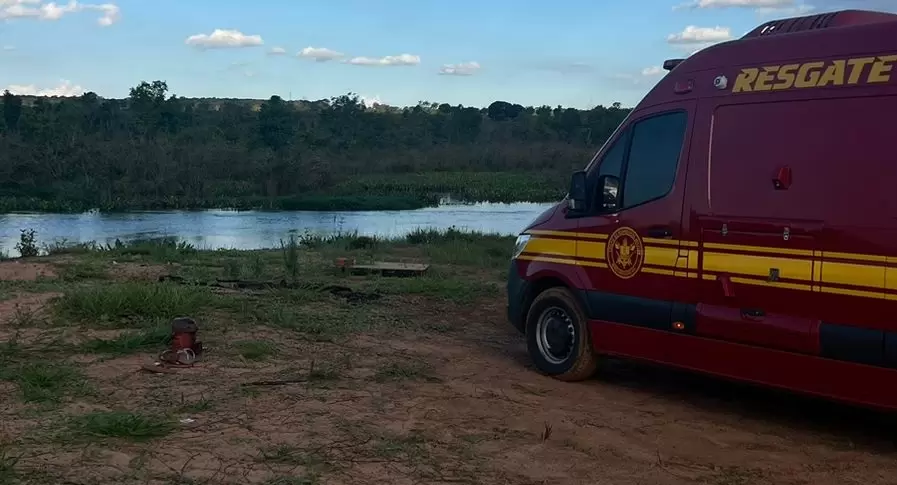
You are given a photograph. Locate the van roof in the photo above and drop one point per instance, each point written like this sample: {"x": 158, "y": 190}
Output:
{"x": 832, "y": 20}
{"x": 822, "y": 35}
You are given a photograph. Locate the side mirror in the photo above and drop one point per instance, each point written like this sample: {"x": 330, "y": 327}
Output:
{"x": 610, "y": 189}
{"x": 576, "y": 201}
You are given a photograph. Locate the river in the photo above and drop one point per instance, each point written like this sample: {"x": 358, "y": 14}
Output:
{"x": 217, "y": 229}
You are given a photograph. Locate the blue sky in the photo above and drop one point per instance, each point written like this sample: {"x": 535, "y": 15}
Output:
{"x": 568, "y": 52}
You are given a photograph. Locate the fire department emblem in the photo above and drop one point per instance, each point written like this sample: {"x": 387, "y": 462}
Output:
{"x": 625, "y": 253}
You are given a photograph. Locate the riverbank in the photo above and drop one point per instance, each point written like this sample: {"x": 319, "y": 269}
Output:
{"x": 250, "y": 230}
{"x": 362, "y": 193}
{"x": 326, "y": 377}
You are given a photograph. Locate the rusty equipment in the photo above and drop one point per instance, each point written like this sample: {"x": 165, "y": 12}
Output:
{"x": 185, "y": 348}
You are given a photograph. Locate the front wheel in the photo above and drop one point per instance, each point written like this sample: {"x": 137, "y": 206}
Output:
{"x": 557, "y": 336}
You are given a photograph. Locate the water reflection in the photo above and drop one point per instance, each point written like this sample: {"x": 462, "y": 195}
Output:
{"x": 254, "y": 230}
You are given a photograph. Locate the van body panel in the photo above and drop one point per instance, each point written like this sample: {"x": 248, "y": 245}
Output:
{"x": 858, "y": 384}
{"x": 767, "y": 250}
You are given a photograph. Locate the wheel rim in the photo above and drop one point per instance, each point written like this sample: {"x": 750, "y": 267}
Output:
{"x": 555, "y": 335}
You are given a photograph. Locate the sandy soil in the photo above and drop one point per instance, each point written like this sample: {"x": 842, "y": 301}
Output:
{"x": 463, "y": 406}
{"x": 23, "y": 271}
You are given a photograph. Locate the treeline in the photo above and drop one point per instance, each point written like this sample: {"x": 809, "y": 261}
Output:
{"x": 153, "y": 150}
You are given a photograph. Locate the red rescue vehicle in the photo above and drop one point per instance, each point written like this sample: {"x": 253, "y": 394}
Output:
{"x": 741, "y": 222}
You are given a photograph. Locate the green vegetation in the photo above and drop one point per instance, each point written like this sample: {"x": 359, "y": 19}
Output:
{"x": 256, "y": 349}
{"x": 155, "y": 337}
{"x": 78, "y": 373}
{"x": 43, "y": 382}
{"x": 118, "y": 424}
{"x": 124, "y": 304}
{"x": 156, "y": 151}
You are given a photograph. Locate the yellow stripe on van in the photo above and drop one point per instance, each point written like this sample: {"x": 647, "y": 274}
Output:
{"x": 674, "y": 258}
{"x": 798, "y": 269}
{"x": 853, "y": 274}
{"x": 659, "y": 256}
{"x": 591, "y": 249}
{"x": 554, "y": 247}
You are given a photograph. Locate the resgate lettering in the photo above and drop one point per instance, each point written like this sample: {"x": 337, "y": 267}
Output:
{"x": 841, "y": 72}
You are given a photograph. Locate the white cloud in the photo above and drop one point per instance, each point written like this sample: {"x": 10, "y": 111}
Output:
{"x": 399, "y": 60}
{"x": 8, "y": 48}
{"x": 65, "y": 88}
{"x": 370, "y": 102}
{"x": 700, "y": 35}
{"x": 779, "y": 4}
{"x": 462, "y": 69}
{"x": 224, "y": 38}
{"x": 794, "y": 11}
{"x": 652, "y": 71}
{"x": 38, "y": 9}
{"x": 277, "y": 51}
{"x": 320, "y": 54}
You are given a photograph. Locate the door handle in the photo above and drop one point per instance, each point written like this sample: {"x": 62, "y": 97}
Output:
{"x": 752, "y": 313}
{"x": 660, "y": 232}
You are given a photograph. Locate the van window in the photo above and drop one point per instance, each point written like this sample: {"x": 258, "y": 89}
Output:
{"x": 653, "y": 157}
{"x": 611, "y": 164}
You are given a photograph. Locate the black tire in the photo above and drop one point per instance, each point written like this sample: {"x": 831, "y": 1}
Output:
{"x": 573, "y": 359}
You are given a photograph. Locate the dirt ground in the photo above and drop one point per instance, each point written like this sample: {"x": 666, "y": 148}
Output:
{"x": 460, "y": 404}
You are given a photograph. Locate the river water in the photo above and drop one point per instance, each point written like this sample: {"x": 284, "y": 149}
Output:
{"x": 217, "y": 229}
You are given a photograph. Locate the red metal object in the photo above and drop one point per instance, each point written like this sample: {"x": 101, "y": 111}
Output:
{"x": 185, "y": 348}
{"x": 344, "y": 263}
{"x": 782, "y": 180}
{"x": 789, "y": 285}
{"x": 183, "y": 335}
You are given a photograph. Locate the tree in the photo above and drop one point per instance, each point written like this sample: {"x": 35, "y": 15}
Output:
{"x": 12, "y": 110}
{"x": 157, "y": 150}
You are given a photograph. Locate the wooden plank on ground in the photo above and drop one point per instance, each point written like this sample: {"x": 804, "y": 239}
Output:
{"x": 390, "y": 269}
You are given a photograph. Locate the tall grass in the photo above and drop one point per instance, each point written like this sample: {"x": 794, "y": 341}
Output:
{"x": 113, "y": 304}
{"x": 290, "y": 252}
{"x": 162, "y": 249}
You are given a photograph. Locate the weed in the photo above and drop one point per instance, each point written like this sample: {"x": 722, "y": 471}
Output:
{"x": 403, "y": 371}
{"x": 327, "y": 373}
{"x": 255, "y": 349}
{"x": 63, "y": 246}
{"x": 155, "y": 337}
{"x": 411, "y": 448}
{"x": 44, "y": 382}
{"x": 117, "y": 424}
{"x": 233, "y": 269}
{"x": 25, "y": 317}
{"x": 8, "y": 464}
{"x": 83, "y": 270}
{"x": 257, "y": 266}
{"x": 27, "y": 245}
{"x": 198, "y": 406}
{"x": 439, "y": 286}
{"x": 132, "y": 301}
{"x": 290, "y": 252}
{"x": 163, "y": 249}
{"x": 317, "y": 322}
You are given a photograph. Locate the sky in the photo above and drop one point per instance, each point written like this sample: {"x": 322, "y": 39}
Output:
{"x": 576, "y": 53}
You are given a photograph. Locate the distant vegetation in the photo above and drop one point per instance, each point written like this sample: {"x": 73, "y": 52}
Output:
{"x": 156, "y": 151}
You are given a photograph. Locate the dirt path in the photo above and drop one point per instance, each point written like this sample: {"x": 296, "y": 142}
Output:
{"x": 455, "y": 403}
{"x": 638, "y": 425}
